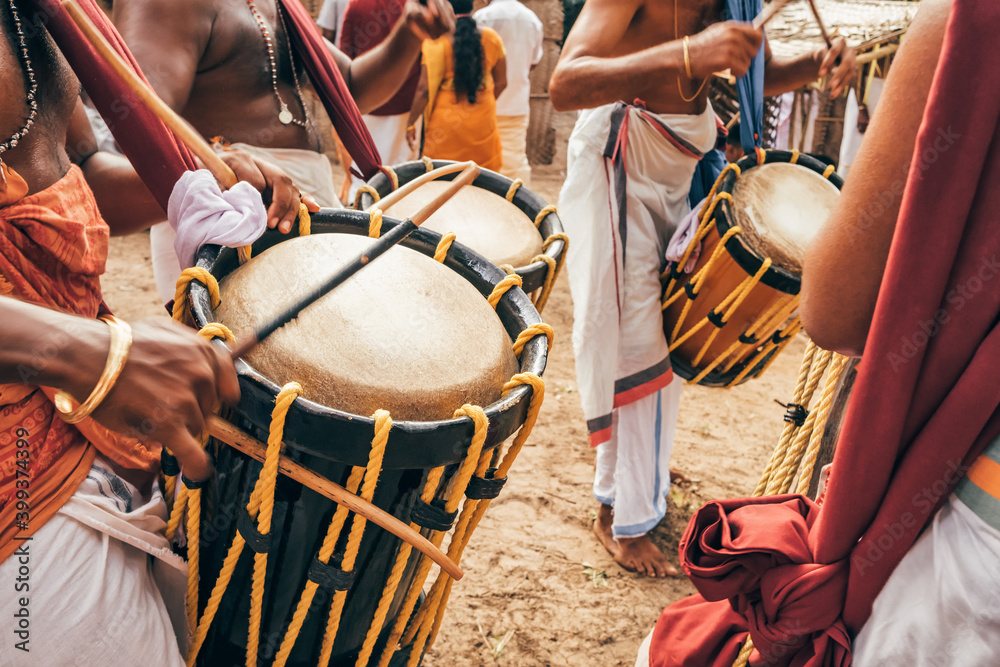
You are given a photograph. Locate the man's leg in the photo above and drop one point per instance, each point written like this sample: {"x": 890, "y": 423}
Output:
{"x": 645, "y": 434}
{"x": 514, "y": 138}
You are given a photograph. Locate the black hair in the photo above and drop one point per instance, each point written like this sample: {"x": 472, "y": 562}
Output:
{"x": 734, "y": 135}
{"x": 468, "y": 52}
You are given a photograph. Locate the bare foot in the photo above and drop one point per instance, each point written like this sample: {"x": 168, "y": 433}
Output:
{"x": 635, "y": 554}
{"x": 678, "y": 476}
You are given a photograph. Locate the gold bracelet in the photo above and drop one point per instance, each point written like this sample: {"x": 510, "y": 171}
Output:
{"x": 121, "y": 342}
{"x": 687, "y": 58}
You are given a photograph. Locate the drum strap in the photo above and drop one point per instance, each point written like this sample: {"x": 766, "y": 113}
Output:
{"x": 329, "y": 576}
{"x": 433, "y": 515}
{"x": 483, "y": 488}
{"x": 259, "y": 542}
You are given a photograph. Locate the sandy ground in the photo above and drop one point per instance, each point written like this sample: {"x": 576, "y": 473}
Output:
{"x": 539, "y": 590}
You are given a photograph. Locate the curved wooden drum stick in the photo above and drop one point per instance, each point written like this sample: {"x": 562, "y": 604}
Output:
{"x": 237, "y": 439}
{"x": 407, "y": 188}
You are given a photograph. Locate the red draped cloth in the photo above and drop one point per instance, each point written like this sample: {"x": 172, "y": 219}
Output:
{"x": 330, "y": 86}
{"x": 802, "y": 581}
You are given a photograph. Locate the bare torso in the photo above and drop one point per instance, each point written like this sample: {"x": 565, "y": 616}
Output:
{"x": 652, "y": 25}
{"x": 231, "y": 93}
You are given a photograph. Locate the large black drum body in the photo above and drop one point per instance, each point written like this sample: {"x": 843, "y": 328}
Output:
{"x": 484, "y": 223}
{"x": 330, "y": 442}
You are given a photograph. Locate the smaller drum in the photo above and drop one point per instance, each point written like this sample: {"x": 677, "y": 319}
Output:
{"x": 495, "y": 216}
{"x": 729, "y": 318}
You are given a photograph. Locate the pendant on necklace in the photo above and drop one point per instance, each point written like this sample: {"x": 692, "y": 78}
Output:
{"x": 285, "y": 116}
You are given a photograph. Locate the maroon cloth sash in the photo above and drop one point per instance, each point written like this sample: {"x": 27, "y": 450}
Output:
{"x": 925, "y": 404}
{"x": 331, "y": 88}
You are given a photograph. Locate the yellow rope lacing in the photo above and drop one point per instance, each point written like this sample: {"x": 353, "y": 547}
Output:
{"x": 431, "y": 614}
{"x": 545, "y": 212}
{"x": 366, "y": 189}
{"x": 540, "y": 329}
{"x": 383, "y": 423}
{"x": 799, "y": 445}
{"x": 443, "y": 246}
{"x": 795, "y": 156}
{"x": 393, "y": 177}
{"x": 305, "y": 221}
{"x": 375, "y": 223}
{"x": 502, "y": 288}
{"x": 699, "y": 279}
{"x": 459, "y": 483}
{"x": 244, "y": 254}
{"x": 512, "y": 190}
{"x": 260, "y": 507}
{"x": 554, "y": 267}
{"x": 428, "y": 163}
{"x": 181, "y": 313}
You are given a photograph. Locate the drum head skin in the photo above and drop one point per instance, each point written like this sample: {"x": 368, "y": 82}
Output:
{"x": 781, "y": 207}
{"x": 482, "y": 220}
{"x": 406, "y": 334}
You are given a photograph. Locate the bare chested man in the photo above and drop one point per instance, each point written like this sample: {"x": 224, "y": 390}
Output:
{"x": 226, "y": 66}
{"x": 629, "y": 173}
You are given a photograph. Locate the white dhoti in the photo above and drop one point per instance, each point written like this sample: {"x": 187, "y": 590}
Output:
{"x": 941, "y": 606}
{"x": 311, "y": 172}
{"x": 628, "y": 176}
{"x": 514, "y": 140}
{"x": 103, "y": 586}
{"x": 389, "y": 135}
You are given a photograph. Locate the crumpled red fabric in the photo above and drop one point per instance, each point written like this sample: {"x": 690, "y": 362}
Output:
{"x": 925, "y": 404}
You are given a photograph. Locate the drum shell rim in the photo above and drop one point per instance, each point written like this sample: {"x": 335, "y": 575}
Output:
{"x": 532, "y": 275}
{"x": 412, "y": 444}
{"x": 776, "y": 277}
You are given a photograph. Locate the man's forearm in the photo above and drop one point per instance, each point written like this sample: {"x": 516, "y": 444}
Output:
{"x": 585, "y": 82}
{"x": 125, "y": 202}
{"x": 784, "y": 74}
{"x": 44, "y": 347}
{"x": 375, "y": 76}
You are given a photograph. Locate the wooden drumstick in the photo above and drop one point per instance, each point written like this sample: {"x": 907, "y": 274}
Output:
{"x": 386, "y": 241}
{"x": 180, "y": 127}
{"x": 221, "y": 429}
{"x": 819, "y": 21}
{"x": 394, "y": 196}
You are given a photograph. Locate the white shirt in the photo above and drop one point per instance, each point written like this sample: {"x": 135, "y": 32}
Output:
{"x": 522, "y": 34}
{"x": 331, "y": 17}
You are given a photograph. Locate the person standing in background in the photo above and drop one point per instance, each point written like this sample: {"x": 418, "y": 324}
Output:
{"x": 522, "y": 35}
{"x": 463, "y": 74}
{"x": 367, "y": 24}
{"x": 331, "y": 19}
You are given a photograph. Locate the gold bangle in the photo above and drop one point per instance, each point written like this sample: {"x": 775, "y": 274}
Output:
{"x": 121, "y": 342}
{"x": 687, "y": 58}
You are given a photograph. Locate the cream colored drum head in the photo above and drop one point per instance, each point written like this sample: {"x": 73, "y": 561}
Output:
{"x": 781, "y": 207}
{"x": 480, "y": 219}
{"x": 406, "y": 334}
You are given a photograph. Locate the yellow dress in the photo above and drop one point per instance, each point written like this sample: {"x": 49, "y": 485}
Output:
{"x": 454, "y": 129}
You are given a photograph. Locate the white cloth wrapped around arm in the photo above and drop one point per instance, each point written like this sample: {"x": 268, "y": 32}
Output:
{"x": 201, "y": 213}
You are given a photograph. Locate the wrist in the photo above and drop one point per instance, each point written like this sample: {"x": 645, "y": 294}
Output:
{"x": 78, "y": 369}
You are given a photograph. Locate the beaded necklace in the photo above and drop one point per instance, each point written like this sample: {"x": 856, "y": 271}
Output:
{"x": 285, "y": 115}
{"x": 29, "y": 75}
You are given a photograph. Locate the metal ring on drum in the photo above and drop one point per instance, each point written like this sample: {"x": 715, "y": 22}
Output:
{"x": 495, "y": 216}
{"x": 436, "y": 344}
{"x": 728, "y": 319}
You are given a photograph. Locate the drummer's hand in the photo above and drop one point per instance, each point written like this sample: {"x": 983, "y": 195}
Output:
{"x": 280, "y": 193}
{"x": 840, "y": 75}
{"x": 429, "y": 21}
{"x": 173, "y": 380}
{"x": 411, "y": 137}
{"x": 727, "y": 45}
